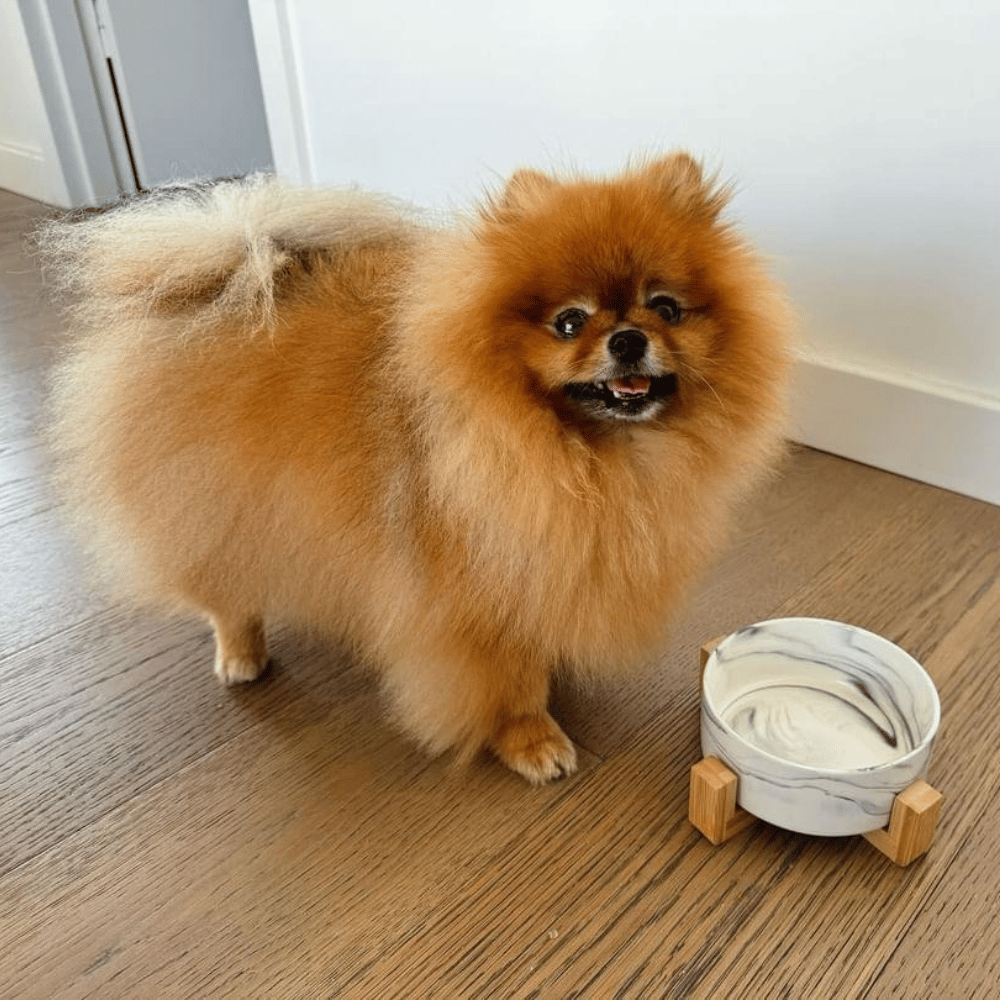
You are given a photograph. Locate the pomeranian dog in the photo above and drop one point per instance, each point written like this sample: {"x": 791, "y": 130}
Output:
{"x": 480, "y": 454}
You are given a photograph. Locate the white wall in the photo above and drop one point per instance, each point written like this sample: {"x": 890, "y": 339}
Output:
{"x": 28, "y": 161}
{"x": 864, "y": 134}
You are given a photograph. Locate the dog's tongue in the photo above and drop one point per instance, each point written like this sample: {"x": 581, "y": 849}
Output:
{"x": 634, "y": 385}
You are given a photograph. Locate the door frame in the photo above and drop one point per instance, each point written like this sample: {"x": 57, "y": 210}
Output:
{"x": 69, "y": 62}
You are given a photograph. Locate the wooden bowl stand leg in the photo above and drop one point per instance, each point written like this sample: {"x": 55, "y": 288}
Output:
{"x": 712, "y": 808}
{"x": 712, "y": 804}
{"x": 914, "y": 817}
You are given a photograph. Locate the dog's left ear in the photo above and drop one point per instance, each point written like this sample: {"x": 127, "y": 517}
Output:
{"x": 677, "y": 169}
{"x": 523, "y": 190}
{"x": 681, "y": 178}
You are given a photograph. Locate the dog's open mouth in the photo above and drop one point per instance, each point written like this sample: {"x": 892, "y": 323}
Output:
{"x": 631, "y": 396}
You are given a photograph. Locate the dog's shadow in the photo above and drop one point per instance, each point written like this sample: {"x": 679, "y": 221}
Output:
{"x": 317, "y": 700}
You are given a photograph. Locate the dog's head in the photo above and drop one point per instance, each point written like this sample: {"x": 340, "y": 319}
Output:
{"x": 627, "y": 301}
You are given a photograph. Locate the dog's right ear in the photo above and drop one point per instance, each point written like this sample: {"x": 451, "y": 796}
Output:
{"x": 681, "y": 179}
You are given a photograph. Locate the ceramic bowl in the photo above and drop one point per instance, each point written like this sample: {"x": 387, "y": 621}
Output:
{"x": 823, "y": 723}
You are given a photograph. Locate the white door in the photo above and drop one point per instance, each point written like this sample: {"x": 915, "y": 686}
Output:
{"x": 178, "y": 87}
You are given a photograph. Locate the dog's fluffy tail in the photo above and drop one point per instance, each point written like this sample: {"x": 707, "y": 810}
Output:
{"x": 198, "y": 253}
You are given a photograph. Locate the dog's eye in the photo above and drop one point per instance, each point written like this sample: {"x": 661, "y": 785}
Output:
{"x": 569, "y": 323}
{"x": 668, "y": 308}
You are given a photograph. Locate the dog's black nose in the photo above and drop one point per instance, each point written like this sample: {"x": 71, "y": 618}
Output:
{"x": 628, "y": 345}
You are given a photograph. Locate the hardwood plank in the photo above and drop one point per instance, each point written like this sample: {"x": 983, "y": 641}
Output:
{"x": 261, "y": 866}
{"x": 113, "y": 705}
{"x": 43, "y": 585}
{"x": 951, "y": 947}
{"x": 24, "y": 474}
{"x": 638, "y": 899}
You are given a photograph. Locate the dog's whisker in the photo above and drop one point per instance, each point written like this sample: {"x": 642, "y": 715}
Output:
{"x": 689, "y": 371}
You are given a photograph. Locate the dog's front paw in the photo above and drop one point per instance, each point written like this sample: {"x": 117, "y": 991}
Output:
{"x": 240, "y": 648}
{"x": 535, "y": 747}
{"x": 239, "y": 669}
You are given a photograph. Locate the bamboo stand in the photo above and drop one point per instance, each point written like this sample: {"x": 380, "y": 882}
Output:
{"x": 712, "y": 808}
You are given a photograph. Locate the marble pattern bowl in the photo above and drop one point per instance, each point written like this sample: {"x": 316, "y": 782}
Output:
{"x": 823, "y": 723}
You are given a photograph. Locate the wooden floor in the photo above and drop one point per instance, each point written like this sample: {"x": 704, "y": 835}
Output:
{"x": 162, "y": 837}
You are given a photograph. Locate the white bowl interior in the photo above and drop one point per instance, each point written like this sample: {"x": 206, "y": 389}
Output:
{"x": 820, "y": 694}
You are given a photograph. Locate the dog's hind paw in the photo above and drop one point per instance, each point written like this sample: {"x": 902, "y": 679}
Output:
{"x": 535, "y": 747}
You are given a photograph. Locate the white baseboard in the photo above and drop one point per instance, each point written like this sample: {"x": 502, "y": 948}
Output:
{"x": 933, "y": 433}
{"x": 25, "y": 170}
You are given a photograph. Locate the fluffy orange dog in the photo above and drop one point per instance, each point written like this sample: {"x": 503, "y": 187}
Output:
{"x": 481, "y": 454}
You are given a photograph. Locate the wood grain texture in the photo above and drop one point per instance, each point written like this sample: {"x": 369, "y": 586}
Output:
{"x": 163, "y": 837}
